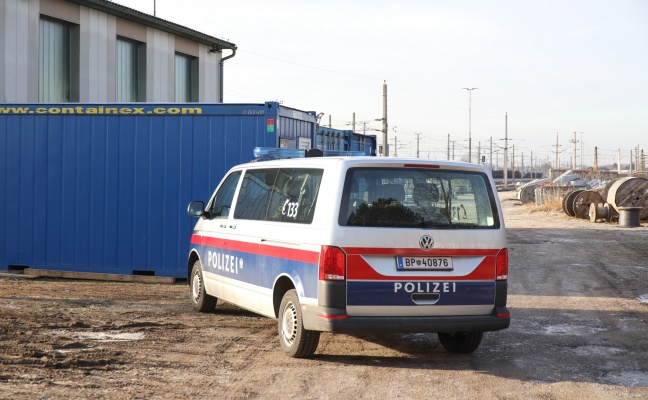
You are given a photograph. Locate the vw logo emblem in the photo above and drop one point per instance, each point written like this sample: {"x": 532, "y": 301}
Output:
{"x": 426, "y": 242}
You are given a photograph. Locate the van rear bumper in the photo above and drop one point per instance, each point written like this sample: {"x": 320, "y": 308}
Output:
{"x": 336, "y": 320}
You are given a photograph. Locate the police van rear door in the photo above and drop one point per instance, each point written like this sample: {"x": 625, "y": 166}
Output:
{"x": 421, "y": 240}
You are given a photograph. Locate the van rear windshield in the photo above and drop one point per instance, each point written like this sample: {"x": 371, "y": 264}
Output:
{"x": 418, "y": 198}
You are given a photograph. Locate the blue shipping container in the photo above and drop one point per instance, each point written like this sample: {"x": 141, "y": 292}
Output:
{"x": 104, "y": 188}
{"x": 366, "y": 143}
{"x": 347, "y": 140}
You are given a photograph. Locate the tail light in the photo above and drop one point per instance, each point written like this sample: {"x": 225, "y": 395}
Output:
{"x": 502, "y": 265}
{"x": 332, "y": 264}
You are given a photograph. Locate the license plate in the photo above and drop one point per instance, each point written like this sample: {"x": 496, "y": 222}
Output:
{"x": 424, "y": 263}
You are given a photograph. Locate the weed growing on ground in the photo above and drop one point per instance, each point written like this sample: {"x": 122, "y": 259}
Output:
{"x": 548, "y": 206}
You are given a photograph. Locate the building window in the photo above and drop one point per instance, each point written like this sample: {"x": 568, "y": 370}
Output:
{"x": 58, "y": 71}
{"x": 186, "y": 78}
{"x": 130, "y": 70}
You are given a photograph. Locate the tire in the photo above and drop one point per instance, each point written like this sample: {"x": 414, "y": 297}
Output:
{"x": 201, "y": 300}
{"x": 296, "y": 341}
{"x": 461, "y": 342}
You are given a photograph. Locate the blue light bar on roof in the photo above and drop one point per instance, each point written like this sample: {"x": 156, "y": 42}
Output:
{"x": 342, "y": 153}
{"x": 272, "y": 152}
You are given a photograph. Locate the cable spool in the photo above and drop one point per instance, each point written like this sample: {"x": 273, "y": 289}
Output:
{"x": 629, "y": 216}
{"x": 612, "y": 213}
{"x": 568, "y": 202}
{"x": 583, "y": 200}
{"x": 630, "y": 192}
{"x": 599, "y": 213}
{"x": 527, "y": 195}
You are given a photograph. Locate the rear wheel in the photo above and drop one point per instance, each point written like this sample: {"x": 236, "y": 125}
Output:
{"x": 295, "y": 341}
{"x": 460, "y": 342}
{"x": 201, "y": 300}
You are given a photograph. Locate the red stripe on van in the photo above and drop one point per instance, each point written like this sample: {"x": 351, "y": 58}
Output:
{"x": 311, "y": 257}
{"x": 359, "y": 269}
{"x": 419, "y": 252}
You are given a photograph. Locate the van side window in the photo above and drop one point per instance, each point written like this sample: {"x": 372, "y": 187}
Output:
{"x": 294, "y": 195}
{"x": 282, "y": 195}
{"x": 223, "y": 199}
{"x": 254, "y": 196}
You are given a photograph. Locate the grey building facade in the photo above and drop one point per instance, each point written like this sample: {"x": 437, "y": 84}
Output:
{"x": 99, "y": 51}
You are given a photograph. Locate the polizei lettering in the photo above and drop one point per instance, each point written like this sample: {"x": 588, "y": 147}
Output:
{"x": 425, "y": 287}
{"x": 224, "y": 262}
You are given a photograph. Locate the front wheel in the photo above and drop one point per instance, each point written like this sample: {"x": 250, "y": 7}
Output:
{"x": 295, "y": 341}
{"x": 201, "y": 300}
{"x": 462, "y": 342}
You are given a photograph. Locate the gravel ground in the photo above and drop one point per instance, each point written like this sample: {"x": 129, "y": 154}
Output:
{"x": 578, "y": 293}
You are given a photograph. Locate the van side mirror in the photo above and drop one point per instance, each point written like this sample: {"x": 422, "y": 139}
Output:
{"x": 196, "y": 208}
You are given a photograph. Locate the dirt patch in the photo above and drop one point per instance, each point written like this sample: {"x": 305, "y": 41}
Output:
{"x": 578, "y": 293}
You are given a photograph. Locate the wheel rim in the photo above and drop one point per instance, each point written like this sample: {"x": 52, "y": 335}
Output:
{"x": 289, "y": 324}
{"x": 196, "y": 287}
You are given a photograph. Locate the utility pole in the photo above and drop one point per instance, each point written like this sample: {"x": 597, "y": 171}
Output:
{"x": 353, "y": 123}
{"x": 556, "y": 165}
{"x": 595, "y": 158}
{"x": 479, "y": 152}
{"x": 448, "y": 147}
{"x": 491, "y": 153}
{"x": 582, "y": 145}
{"x": 330, "y": 126}
{"x": 418, "y": 137}
{"x": 574, "y": 141}
{"x": 532, "y": 169}
{"x": 469, "y": 119}
{"x": 619, "y": 162}
{"x": 395, "y": 147}
{"x": 384, "y": 121}
{"x": 513, "y": 166}
{"x": 505, "y": 150}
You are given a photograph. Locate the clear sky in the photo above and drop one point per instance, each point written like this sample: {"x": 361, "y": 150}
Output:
{"x": 554, "y": 66}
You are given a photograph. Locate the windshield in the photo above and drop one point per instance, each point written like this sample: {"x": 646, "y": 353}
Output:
{"x": 417, "y": 198}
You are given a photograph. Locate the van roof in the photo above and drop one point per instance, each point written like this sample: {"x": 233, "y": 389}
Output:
{"x": 364, "y": 161}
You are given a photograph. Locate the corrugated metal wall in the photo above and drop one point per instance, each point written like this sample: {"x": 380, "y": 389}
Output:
{"x": 108, "y": 193}
{"x": 337, "y": 139}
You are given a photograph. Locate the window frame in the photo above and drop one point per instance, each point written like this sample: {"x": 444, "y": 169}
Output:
{"x": 190, "y": 77}
{"x": 231, "y": 184}
{"x": 404, "y": 208}
{"x": 279, "y": 194}
{"x": 138, "y": 71}
{"x": 69, "y": 66}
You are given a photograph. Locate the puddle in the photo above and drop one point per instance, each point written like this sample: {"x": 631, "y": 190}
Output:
{"x": 628, "y": 378}
{"x": 110, "y": 336}
{"x": 572, "y": 330}
{"x": 597, "y": 351}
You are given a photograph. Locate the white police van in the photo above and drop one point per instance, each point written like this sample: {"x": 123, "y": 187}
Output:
{"x": 354, "y": 245}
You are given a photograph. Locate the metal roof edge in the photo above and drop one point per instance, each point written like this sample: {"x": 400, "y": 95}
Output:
{"x": 155, "y": 22}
